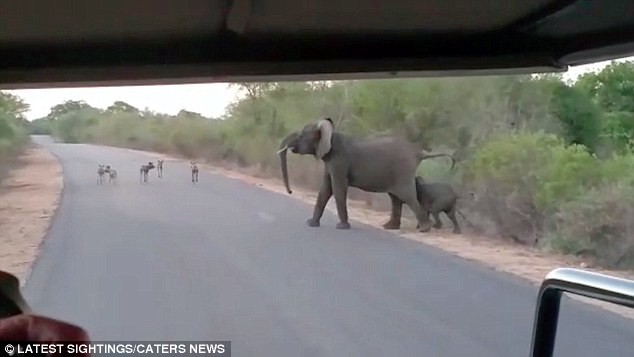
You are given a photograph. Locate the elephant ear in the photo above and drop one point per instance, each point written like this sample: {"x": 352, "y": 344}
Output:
{"x": 324, "y": 145}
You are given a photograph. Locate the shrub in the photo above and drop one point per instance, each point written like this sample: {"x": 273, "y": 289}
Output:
{"x": 520, "y": 178}
{"x": 568, "y": 173}
{"x": 599, "y": 223}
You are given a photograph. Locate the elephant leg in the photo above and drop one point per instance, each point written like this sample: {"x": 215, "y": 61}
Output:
{"x": 325, "y": 192}
{"x": 395, "y": 215}
{"x": 340, "y": 190}
{"x": 408, "y": 195}
{"x": 437, "y": 221}
{"x": 425, "y": 214}
{"x": 452, "y": 216}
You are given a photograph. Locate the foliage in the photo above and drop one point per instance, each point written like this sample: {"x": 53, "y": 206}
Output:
{"x": 13, "y": 106}
{"x": 66, "y": 107}
{"x": 599, "y": 223}
{"x": 41, "y": 126}
{"x": 612, "y": 88}
{"x": 521, "y": 180}
{"x": 539, "y": 154}
{"x": 13, "y": 133}
{"x": 580, "y": 116}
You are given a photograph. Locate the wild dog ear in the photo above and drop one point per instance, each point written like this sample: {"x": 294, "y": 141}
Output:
{"x": 324, "y": 146}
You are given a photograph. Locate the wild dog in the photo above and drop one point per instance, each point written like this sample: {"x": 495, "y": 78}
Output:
{"x": 145, "y": 169}
{"x": 194, "y": 168}
{"x": 100, "y": 174}
{"x": 113, "y": 175}
{"x": 159, "y": 168}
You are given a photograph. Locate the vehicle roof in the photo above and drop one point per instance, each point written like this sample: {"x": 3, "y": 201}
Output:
{"x": 64, "y": 42}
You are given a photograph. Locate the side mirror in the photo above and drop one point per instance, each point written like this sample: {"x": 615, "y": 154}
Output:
{"x": 580, "y": 282}
{"x": 11, "y": 300}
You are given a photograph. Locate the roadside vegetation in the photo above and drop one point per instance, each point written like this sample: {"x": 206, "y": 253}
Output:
{"x": 550, "y": 163}
{"x": 13, "y": 130}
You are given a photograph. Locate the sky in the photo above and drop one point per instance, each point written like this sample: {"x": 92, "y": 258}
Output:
{"x": 208, "y": 99}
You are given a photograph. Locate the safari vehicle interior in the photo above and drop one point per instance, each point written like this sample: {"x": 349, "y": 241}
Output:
{"x": 159, "y": 42}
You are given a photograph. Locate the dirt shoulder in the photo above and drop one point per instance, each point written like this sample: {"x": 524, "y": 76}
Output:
{"x": 29, "y": 196}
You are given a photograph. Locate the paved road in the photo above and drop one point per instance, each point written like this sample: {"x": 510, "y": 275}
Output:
{"x": 224, "y": 260}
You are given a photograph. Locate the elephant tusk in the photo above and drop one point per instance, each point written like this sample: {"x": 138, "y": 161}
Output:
{"x": 282, "y": 149}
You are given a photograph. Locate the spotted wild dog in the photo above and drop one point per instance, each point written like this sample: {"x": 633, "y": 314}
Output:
{"x": 159, "y": 168}
{"x": 113, "y": 175}
{"x": 194, "y": 168}
{"x": 145, "y": 169}
{"x": 100, "y": 174}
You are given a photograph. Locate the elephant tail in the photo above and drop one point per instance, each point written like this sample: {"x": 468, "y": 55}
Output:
{"x": 424, "y": 155}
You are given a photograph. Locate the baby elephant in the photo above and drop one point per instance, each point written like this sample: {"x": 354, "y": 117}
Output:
{"x": 436, "y": 197}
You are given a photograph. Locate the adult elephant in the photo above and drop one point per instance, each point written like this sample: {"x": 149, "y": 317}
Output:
{"x": 376, "y": 164}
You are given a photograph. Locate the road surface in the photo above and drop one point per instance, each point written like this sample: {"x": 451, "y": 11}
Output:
{"x": 225, "y": 260}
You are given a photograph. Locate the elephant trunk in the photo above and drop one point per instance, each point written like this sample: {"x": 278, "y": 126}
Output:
{"x": 287, "y": 142}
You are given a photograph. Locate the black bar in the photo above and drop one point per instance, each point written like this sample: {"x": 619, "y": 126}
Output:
{"x": 593, "y": 285}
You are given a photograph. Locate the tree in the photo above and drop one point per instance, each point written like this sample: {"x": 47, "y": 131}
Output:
{"x": 13, "y": 106}
{"x": 121, "y": 107}
{"x": 71, "y": 126}
{"x": 579, "y": 114}
{"x": 186, "y": 114}
{"x": 612, "y": 88}
{"x": 40, "y": 126}
{"x": 66, "y": 107}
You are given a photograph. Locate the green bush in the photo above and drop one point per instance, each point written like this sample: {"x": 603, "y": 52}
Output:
{"x": 40, "y": 126}
{"x": 7, "y": 130}
{"x": 73, "y": 127}
{"x": 533, "y": 186}
{"x": 599, "y": 223}
{"x": 13, "y": 140}
{"x": 568, "y": 172}
{"x": 522, "y": 177}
